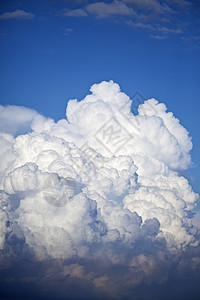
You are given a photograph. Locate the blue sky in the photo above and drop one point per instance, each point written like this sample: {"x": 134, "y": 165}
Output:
{"x": 52, "y": 51}
{"x": 55, "y": 50}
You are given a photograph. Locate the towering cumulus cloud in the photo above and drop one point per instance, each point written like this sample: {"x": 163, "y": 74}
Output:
{"x": 95, "y": 201}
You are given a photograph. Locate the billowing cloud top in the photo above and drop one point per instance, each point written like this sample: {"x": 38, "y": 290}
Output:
{"x": 100, "y": 187}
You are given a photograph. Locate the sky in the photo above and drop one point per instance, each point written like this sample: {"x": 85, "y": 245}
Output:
{"x": 52, "y": 51}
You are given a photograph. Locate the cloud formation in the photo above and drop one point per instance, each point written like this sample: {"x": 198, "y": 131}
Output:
{"x": 103, "y": 10}
{"x": 16, "y": 120}
{"x": 74, "y": 13}
{"x": 157, "y": 32}
{"x": 17, "y": 14}
{"x": 153, "y": 5}
{"x": 161, "y": 19}
{"x": 97, "y": 194}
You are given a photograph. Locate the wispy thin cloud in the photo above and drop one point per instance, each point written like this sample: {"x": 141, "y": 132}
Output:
{"x": 74, "y": 13}
{"x": 179, "y": 2}
{"x": 105, "y": 10}
{"x": 153, "y": 5}
{"x": 167, "y": 30}
{"x": 193, "y": 41}
{"x": 158, "y": 32}
{"x": 161, "y": 18}
{"x": 68, "y": 31}
{"x": 76, "y": 1}
{"x": 101, "y": 10}
{"x": 140, "y": 25}
{"x": 158, "y": 37}
{"x": 17, "y": 14}
{"x": 192, "y": 38}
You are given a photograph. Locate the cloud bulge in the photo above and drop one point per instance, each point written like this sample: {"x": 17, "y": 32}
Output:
{"x": 97, "y": 195}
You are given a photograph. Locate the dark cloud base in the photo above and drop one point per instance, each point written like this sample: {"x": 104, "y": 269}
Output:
{"x": 30, "y": 280}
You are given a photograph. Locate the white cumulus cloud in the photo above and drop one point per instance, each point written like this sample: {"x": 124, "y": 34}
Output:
{"x": 99, "y": 188}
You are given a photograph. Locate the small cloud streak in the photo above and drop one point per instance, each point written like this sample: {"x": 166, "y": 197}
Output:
{"x": 68, "y": 31}
{"x": 104, "y": 10}
{"x": 75, "y": 13}
{"x": 180, "y": 2}
{"x": 170, "y": 30}
{"x": 159, "y": 37}
{"x": 101, "y": 10}
{"x": 17, "y": 14}
{"x": 140, "y": 25}
{"x": 161, "y": 32}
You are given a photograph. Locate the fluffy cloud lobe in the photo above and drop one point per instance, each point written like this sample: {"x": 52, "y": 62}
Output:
{"x": 98, "y": 191}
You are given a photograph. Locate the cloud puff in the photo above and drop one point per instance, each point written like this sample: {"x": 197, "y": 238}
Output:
{"x": 98, "y": 191}
{"x": 74, "y": 13}
{"x": 17, "y": 14}
{"x": 16, "y": 120}
{"x": 103, "y": 10}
